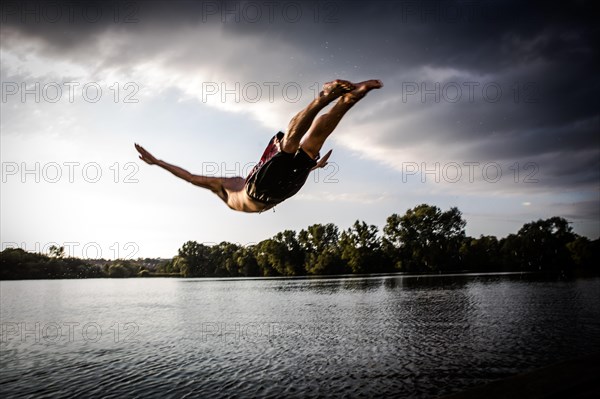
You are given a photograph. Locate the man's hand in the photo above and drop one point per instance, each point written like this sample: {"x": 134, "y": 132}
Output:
{"x": 145, "y": 155}
{"x": 323, "y": 161}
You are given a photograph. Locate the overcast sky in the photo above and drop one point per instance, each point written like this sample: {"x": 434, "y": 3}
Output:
{"x": 488, "y": 106}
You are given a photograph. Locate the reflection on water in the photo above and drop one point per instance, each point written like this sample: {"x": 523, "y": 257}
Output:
{"x": 409, "y": 336}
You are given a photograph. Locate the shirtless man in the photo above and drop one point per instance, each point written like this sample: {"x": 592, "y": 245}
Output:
{"x": 288, "y": 159}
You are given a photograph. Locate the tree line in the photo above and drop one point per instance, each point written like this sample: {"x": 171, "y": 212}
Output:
{"x": 425, "y": 239}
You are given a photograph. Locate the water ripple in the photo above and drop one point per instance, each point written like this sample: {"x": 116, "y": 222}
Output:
{"x": 379, "y": 336}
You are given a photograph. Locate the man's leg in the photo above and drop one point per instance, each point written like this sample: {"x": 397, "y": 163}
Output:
{"x": 312, "y": 142}
{"x": 300, "y": 123}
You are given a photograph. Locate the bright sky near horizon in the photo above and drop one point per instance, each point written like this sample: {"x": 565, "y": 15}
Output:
{"x": 487, "y": 106}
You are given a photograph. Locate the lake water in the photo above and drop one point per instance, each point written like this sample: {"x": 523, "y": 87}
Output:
{"x": 404, "y": 336}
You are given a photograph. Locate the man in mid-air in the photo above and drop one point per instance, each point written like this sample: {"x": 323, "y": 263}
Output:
{"x": 288, "y": 159}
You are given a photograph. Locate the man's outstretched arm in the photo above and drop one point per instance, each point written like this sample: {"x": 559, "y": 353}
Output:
{"x": 215, "y": 184}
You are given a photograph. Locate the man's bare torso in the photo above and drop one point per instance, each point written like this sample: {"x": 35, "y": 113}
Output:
{"x": 236, "y": 197}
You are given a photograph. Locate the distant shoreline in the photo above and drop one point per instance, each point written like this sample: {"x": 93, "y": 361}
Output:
{"x": 425, "y": 241}
{"x": 549, "y": 274}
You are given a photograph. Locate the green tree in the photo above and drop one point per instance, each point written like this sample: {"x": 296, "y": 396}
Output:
{"x": 426, "y": 239}
{"x": 57, "y": 252}
{"x": 361, "y": 248}
{"x": 391, "y": 241}
{"x": 280, "y": 255}
{"x": 320, "y": 243}
{"x": 292, "y": 256}
{"x": 268, "y": 254}
{"x": 16, "y": 263}
{"x": 222, "y": 258}
{"x": 542, "y": 245}
{"x": 246, "y": 262}
{"x": 481, "y": 254}
{"x": 510, "y": 252}
{"x": 118, "y": 270}
{"x": 196, "y": 260}
{"x": 178, "y": 265}
{"x": 585, "y": 254}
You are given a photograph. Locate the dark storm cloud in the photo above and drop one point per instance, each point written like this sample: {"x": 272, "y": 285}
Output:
{"x": 542, "y": 55}
{"x": 479, "y": 36}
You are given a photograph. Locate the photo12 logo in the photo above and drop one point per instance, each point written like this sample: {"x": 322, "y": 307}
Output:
{"x": 82, "y": 250}
{"x": 69, "y": 172}
{"x": 469, "y": 91}
{"x": 253, "y": 92}
{"x": 472, "y": 171}
{"x": 61, "y": 332}
{"x": 53, "y": 92}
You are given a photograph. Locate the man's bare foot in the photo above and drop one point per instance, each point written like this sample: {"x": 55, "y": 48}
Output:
{"x": 336, "y": 88}
{"x": 362, "y": 88}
